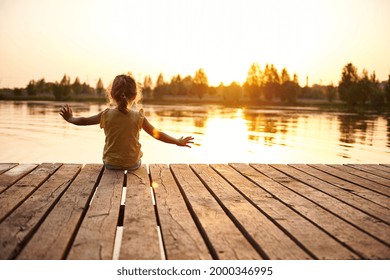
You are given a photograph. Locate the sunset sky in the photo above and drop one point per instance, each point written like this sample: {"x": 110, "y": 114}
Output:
{"x": 93, "y": 38}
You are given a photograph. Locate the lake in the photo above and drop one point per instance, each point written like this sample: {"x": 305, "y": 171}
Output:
{"x": 34, "y": 132}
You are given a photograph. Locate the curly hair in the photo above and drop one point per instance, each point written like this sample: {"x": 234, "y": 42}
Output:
{"x": 125, "y": 92}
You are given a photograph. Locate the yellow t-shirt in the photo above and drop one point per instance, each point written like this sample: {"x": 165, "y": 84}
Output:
{"x": 122, "y": 147}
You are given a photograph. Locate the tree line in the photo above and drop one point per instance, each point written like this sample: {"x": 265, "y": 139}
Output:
{"x": 261, "y": 85}
{"x": 270, "y": 84}
{"x": 63, "y": 90}
{"x": 357, "y": 89}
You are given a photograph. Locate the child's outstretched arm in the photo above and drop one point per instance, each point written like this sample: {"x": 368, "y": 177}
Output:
{"x": 165, "y": 137}
{"x": 67, "y": 114}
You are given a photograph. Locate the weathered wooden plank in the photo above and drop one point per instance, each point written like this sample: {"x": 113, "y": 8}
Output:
{"x": 20, "y": 225}
{"x": 380, "y": 167}
{"x": 6, "y": 166}
{"x": 18, "y": 192}
{"x": 353, "y": 179}
{"x": 345, "y": 185}
{"x": 374, "y": 226}
{"x": 362, "y": 204}
{"x": 370, "y": 168}
{"x": 96, "y": 236}
{"x": 224, "y": 240}
{"x": 309, "y": 235}
{"x": 140, "y": 238}
{"x": 14, "y": 174}
{"x": 53, "y": 237}
{"x": 304, "y": 200}
{"x": 182, "y": 239}
{"x": 261, "y": 230}
{"x": 362, "y": 174}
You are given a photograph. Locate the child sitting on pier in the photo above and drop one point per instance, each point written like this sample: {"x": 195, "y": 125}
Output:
{"x": 122, "y": 125}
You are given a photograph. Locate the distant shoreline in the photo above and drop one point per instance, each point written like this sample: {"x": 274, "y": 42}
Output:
{"x": 321, "y": 104}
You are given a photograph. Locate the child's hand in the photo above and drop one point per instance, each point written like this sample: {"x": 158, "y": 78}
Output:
{"x": 66, "y": 112}
{"x": 185, "y": 141}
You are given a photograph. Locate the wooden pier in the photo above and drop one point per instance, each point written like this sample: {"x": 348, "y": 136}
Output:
{"x": 196, "y": 211}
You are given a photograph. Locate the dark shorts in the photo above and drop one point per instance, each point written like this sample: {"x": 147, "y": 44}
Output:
{"x": 131, "y": 168}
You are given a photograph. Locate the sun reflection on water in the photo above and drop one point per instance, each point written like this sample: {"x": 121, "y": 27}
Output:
{"x": 225, "y": 139}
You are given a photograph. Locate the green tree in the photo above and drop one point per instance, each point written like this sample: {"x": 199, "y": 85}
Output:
{"x": 188, "y": 85}
{"x": 286, "y": 85}
{"x": 76, "y": 86}
{"x": 31, "y": 88}
{"x": 42, "y": 86}
{"x": 348, "y": 85}
{"x": 17, "y": 91}
{"x": 147, "y": 86}
{"x": 86, "y": 88}
{"x": 363, "y": 88}
{"x": 99, "y": 87}
{"x": 176, "y": 86}
{"x": 271, "y": 82}
{"x": 232, "y": 94}
{"x": 160, "y": 80}
{"x": 289, "y": 90}
{"x": 292, "y": 90}
{"x": 387, "y": 90}
{"x": 161, "y": 87}
{"x": 65, "y": 83}
{"x": 284, "y": 76}
{"x": 65, "y": 80}
{"x": 376, "y": 95}
{"x": 331, "y": 92}
{"x": 62, "y": 90}
{"x": 253, "y": 83}
{"x": 359, "y": 90}
{"x": 201, "y": 83}
{"x": 295, "y": 78}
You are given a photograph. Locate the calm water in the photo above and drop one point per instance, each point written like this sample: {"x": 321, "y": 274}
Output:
{"x": 34, "y": 132}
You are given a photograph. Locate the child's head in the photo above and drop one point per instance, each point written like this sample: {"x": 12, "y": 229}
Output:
{"x": 125, "y": 92}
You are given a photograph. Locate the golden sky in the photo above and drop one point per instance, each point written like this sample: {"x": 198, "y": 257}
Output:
{"x": 93, "y": 38}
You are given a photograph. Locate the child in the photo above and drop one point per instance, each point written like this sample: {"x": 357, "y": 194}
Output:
{"x": 121, "y": 125}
